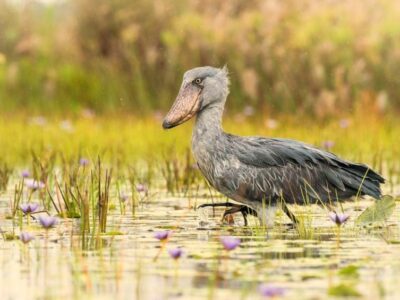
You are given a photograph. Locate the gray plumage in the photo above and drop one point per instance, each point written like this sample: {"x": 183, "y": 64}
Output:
{"x": 252, "y": 169}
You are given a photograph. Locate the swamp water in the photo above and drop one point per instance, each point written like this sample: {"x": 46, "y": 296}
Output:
{"x": 309, "y": 265}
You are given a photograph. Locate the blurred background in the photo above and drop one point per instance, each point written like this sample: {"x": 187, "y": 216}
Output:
{"x": 321, "y": 58}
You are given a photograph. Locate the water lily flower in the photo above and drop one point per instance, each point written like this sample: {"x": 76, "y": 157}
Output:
{"x": 38, "y": 120}
{"x": 26, "y": 237}
{"x": 25, "y": 174}
{"x": 162, "y": 235}
{"x": 34, "y": 185}
{"x": 67, "y": 126}
{"x": 83, "y": 162}
{"x": 142, "y": 188}
{"x": 88, "y": 113}
{"x": 328, "y": 144}
{"x": 271, "y": 291}
{"x": 271, "y": 123}
{"x": 175, "y": 253}
{"x": 344, "y": 123}
{"x": 229, "y": 242}
{"x": 123, "y": 197}
{"x": 248, "y": 110}
{"x": 48, "y": 222}
{"x": 28, "y": 208}
{"x": 338, "y": 219}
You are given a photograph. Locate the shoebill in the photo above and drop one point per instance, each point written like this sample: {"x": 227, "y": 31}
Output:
{"x": 258, "y": 173}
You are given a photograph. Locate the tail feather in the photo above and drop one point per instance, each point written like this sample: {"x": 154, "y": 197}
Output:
{"x": 362, "y": 179}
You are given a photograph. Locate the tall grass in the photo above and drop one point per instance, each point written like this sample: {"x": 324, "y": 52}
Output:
{"x": 309, "y": 57}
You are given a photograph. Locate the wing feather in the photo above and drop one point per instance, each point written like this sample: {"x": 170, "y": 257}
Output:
{"x": 295, "y": 171}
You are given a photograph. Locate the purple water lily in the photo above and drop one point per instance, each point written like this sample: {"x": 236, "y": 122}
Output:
{"x": 338, "y": 219}
{"x": 328, "y": 144}
{"x": 48, "y": 222}
{"x": 67, "y": 126}
{"x": 271, "y": 291}
{"x": 38, "y": 120}
{"x": 248, "y": 111}
{"x": 124, "y": 197}
{"x": 142, "y": 188}
{"x": 34, "y": 185}
{"x": 26, "y": 237}
{"x": 175, "y": 253}
{"x": 229, "y": 242}
{"x": 83, "y": 162}
{"x": 25, "y": 173}
{"x": 271, "y": 123}
{"x": 28, "y": 208}
{"x": 162, "y": 235}
{"x": 344, "y": 123}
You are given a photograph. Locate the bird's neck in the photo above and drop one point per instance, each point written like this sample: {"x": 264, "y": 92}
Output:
{"x": 208, "y": 123}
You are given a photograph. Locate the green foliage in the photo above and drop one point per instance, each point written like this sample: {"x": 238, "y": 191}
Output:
{"x": 5, "y": 173}
{"x": 379, "y": 212}
{"x": 320, "y": 58}
{"x": 350, "y": 271}
{"x": 343, "y": 290}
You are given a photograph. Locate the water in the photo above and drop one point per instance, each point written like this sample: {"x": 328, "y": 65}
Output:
{"x": 124, "y": 268}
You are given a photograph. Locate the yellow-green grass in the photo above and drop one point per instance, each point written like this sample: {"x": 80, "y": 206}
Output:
{"x": 128, "y": 139}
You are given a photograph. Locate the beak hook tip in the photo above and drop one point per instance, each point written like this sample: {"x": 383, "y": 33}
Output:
{"x": 166, "y": 125}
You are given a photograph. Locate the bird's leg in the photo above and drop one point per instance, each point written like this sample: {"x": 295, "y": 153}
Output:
{"x": 245, "y": 210}
{"x": 290, "y": 214}
{"x": 232, "y": 211}
{"x": 224, "y": 204}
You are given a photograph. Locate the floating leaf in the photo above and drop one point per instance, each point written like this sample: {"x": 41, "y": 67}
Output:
{"x": 343, "y": 290}
{"x": 349, "y": 271}
{"x": 380, "y": 211}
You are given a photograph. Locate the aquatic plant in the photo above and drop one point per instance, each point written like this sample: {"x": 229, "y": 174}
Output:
{"x": 103, "y": 194}
{"x": 378, "y": 212}
{"x": 28, "y": 208}
{"x": 5, "y": 173}
{"x": 123, "y": 197}
{"x": 344, "y": 123}
{"x": 175, "y": 253}
{"x": 34, "y": 184}
{"x": 25, "y": 174}
{"x": 48, "y": 222}
{"x": 142, "y": 188}
{"x": 271, "y": 291}
{"x": 328, "y": 144}
{"x": 229, "y": 242}
{"x": 84, "y": 162}
{"x": 16, "y": 200}
{"x": 26, "y": 237}
{"x": 343, "y": 290}
{"x": 338, "y": 218}
{"x": 162, "y": 235}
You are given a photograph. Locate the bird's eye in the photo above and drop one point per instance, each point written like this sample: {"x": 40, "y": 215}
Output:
{"x": 198, "y": 80}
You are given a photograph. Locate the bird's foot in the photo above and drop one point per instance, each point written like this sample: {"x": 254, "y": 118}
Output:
{"x": 243, "y": 209}
{"x": 234, "y": 208}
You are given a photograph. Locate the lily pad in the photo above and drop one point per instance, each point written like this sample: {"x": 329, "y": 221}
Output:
{"x": 380, "y": 211}
{"x": 349, "y": 271}
{"x": 343, "y": 290}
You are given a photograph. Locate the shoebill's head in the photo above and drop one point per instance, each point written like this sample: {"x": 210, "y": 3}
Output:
{"x": 201, "y": 89}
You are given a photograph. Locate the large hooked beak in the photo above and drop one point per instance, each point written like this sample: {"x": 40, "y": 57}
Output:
{"x": 186, "y": 105}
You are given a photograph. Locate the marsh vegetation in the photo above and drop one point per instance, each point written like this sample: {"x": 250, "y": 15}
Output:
{"x": 98, "y": 202}
{"x": 81, "y": 217}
